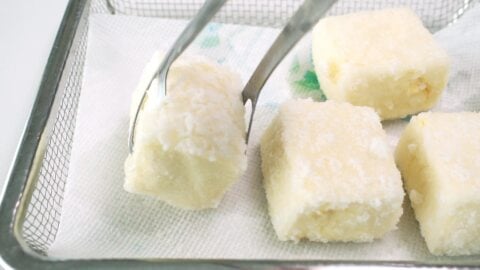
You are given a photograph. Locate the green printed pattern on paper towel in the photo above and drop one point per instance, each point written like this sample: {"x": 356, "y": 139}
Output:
{"x": 309, "y": 81}
{"x": 303, "y": 79}
{"x": 211, "y": 38}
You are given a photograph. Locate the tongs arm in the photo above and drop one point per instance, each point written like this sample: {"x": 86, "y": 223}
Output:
{"x": 299, "y": 24}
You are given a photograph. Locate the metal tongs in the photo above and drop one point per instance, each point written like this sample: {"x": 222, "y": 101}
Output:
{"x": 299, "y": 24}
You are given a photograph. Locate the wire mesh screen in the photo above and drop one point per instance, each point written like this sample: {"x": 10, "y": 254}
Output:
{"x": 435, "y": 14}
{"x": 44, "y": 211}
{"x": 43, "y": 214}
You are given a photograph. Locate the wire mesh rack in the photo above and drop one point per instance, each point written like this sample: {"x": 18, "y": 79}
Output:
{"x": 32, "y": 207}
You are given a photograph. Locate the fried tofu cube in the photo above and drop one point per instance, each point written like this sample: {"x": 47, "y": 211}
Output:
{"x": 190, "y": 145}
{"x": 329, "y": 174}
{"x": 383, "y": 59}
{"x": 439, "y": 158}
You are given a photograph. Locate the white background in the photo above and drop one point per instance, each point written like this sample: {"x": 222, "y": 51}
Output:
{"x": 27, "y": 32}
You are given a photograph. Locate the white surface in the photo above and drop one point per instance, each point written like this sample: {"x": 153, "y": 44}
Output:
{"x": 100, "y": 219}
{"x": 27, "y": 31}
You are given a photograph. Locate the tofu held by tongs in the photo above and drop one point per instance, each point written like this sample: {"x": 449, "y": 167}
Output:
{"x": 187, "y": 136}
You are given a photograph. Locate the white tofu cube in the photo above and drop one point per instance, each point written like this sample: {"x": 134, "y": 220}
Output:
{"x": 328, "y": 173}
{"x": 190, "y": 145}
{"x": 439, "y": 158}
{"x": 382, "y": 59}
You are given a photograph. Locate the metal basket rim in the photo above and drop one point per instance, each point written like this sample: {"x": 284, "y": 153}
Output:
{"x": 14, "y": 251}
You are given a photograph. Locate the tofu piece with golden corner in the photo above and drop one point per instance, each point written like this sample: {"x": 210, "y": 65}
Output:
{"x": 383, "y": 59}
{"x": 439, "y": 157}
{"x": 329, "y": 174}
{"x": 189, "y": 146}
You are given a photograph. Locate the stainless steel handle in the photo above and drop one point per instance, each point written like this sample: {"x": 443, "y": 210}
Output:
{"x": 300, "y": 23}
{"x": 194, "y": 27}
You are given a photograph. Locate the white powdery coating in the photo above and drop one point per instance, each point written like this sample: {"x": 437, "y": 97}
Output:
{"x": 198, "y": 129}
{"x": 382, "y": 59}
{"x": 438, "y": 156}
{"x": 328, "y": 173}
{"x": 202, "y": 113}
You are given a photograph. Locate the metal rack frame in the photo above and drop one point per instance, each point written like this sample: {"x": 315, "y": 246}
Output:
{"x": 14, "y": 249}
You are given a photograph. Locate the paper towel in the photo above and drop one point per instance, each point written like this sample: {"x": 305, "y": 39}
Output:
{"x": 99, "y": 219}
